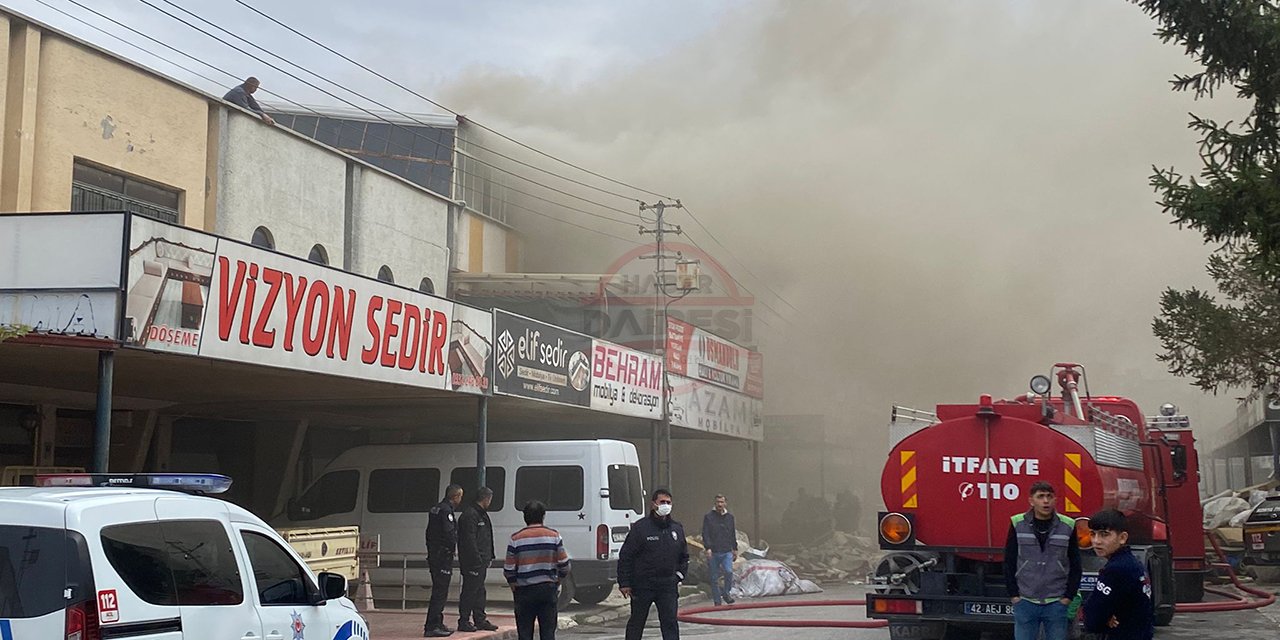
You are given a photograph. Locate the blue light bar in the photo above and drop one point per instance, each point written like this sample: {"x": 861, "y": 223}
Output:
{"x": 202, "y": 483}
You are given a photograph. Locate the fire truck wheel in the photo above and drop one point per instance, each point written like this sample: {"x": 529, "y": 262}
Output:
{"x": 1164, "y": 616}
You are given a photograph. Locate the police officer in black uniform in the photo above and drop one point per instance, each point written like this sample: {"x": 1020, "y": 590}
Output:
{"x": 651, "y": 565}
{"x": 442, "y": 541}
{"x": 475, "y": 553}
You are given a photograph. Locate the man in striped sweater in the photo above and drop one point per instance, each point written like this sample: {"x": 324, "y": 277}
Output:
{"x": 536, "y": 561}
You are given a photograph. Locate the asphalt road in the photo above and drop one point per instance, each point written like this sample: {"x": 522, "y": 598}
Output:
{"x": 1210, "y": 626}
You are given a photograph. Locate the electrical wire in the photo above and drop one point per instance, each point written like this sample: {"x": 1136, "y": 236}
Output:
{"x": 286, "y": 99}
{"x": 441, "y": 106}
{"x": 738, "y": 260}
{"x": 340, "y": 98}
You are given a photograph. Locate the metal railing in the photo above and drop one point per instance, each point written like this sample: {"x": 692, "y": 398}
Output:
{"x": 370, "y": 560}
{"x": 1115, "y": 423}
{"x": 907, "y": 414}
{"x": 86, "y": 198}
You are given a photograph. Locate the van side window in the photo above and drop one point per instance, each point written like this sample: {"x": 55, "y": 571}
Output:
{"x": 495, "y": 477}
{"x": 560, "y": 488}
{"x": 403, "y": 490}
{"x": 175, "y": 562}
{"x": 334, "y": 492}
{"x": 280, "y": 580}
{"x": 625, "y": 491}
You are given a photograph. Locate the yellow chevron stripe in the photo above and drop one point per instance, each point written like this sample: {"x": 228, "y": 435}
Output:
{"x": 910, "y": 503}
{"x": 907, "y": 456}
{"x": 1072, "y": 482}
{"x": 908, "y": 479}
{"x": 1071, "y": 506}
{"x": 1074, "y": 459}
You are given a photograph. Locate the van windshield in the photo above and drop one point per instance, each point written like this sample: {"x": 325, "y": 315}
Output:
{"x": 625, "y": 491}
{"x": 33, "y": 571}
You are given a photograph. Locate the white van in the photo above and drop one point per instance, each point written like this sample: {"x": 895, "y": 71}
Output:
{"x": 591, "y": 488}
{"x": 95, "y": 556}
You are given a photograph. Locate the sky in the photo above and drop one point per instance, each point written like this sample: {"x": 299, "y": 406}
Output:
{"x": 952, "y": 196}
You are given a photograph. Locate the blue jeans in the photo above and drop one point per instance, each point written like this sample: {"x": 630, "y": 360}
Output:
{"x": 1028, "y": 616}
{"x": 720, "y": 568}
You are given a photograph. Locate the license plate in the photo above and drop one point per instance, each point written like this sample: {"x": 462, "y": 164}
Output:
{"x": 988, "y": 609}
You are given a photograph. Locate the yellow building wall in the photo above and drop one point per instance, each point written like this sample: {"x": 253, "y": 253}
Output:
{"x": 75, "y": 102}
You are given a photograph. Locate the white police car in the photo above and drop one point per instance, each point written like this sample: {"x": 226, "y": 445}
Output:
{"x": 101, "y": 556}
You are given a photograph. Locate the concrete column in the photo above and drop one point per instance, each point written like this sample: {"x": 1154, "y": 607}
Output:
{"x": 163, "y": 443}
{"x": 102, "y": 417}
{"x": 46, "y": 436}
{"x": 23, "y": 83}
{"x": 350, "y": 206}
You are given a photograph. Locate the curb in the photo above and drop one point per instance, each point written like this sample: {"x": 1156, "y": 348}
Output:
{"x": 622, "y": 611}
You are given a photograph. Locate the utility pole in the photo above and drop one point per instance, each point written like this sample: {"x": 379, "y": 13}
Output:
{"x": 662, "y": 299}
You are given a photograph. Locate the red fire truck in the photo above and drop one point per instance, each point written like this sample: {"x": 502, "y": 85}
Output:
{"x": 955, "y": 476}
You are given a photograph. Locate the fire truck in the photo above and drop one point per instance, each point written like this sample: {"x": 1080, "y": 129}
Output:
{"x": 956, "y": 475}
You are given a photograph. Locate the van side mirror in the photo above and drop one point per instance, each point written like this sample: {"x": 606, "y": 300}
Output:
{"x": 332, "y": 585}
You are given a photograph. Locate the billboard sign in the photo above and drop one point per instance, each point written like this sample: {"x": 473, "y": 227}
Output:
{"x": 701, "y": 355}
{"x": 625, "y": 381}
{"x": 471, "y": 351}
{"x": 60, "y": 273}
{"x": 541, "y": 361}
{"x": 194, "y": 293}
{"x": 708, "y": 407}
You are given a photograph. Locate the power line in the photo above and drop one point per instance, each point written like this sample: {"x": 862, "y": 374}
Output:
{"x": 301, "y": 106}
{"x": 344, "y": 100}
{"x": 441, "y": 106}
{"x": 738, "y": 260}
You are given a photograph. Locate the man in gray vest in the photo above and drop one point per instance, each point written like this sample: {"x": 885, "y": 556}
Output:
{"x": 1041, "y": 567}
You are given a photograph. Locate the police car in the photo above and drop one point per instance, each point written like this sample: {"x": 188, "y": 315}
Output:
{"x": 99, "y": 556}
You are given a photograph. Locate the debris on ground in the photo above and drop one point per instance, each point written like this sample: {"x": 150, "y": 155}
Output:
{"x": 760, "y": 578}
{"x": 835, "y": 557}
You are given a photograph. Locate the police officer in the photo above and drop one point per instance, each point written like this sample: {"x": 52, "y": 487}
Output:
{"x": 651, "y": 565}
{"x": 475, "y": 553}
{"x": 442, "y": 541}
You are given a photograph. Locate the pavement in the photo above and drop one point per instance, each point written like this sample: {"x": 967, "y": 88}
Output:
{"x": 404, "y": 624}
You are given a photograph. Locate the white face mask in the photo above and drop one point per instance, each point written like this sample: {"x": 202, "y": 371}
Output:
{"x": 664, "y": 510}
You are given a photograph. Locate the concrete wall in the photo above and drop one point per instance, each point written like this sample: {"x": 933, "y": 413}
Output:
{"x": 274, "y": 178}
{"x": 63, "y": 100}
{"x": 400, "y": 226}
{"x": 484, "y": 246}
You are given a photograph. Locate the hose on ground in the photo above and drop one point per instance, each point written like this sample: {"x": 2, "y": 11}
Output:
{"x": 696, "y": 615}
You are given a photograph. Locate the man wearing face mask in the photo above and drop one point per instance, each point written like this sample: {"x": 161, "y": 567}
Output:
{"x": 651, "y": 565}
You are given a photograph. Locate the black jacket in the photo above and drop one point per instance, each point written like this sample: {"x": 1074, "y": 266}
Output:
{"x": 719, "y": 532}
{"x": 442, "y": 535}
{"x": 1123, "y": 591}
{"x": 654, "y": 556}
{"x": 475, "y": 538}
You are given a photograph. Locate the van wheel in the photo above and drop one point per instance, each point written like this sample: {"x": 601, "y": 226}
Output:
{"x": 567, "y": 591}
{"x": 593, "y": 595}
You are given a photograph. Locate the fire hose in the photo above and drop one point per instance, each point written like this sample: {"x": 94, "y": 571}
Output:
{"x": 1237, "y": 602}
{"x": 696, "y": 615}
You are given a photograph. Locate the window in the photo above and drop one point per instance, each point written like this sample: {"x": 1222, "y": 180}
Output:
{"x": 175, "y": 562}
{"x": 427, "y": 286}
{"x": 318, "y": 255}
{"x": 385, "y": 275}
{"x": 625, "y": 491}
{"x": 262, "y": 238}
{"x": 560, "y": 488}
{"x": 33, "y": 570}
{"x": 334, "y": 492}
{"x": 494, "y": 477}
{"x": 97, "y": 189}
{"x": 280, "y": 580}
{"x": 403, "y": 490}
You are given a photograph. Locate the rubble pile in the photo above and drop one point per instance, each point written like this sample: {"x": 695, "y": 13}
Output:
{"x": 835, "y": 557}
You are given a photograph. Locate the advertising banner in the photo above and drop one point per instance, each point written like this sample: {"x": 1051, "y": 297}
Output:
{"x": 190, "y": 292}
{"x": 60, "y": 273}
{"x": 701, "y": 355}
{"x": 541, "y": 361}
{"x": 625, "y": 381}
{"x": 707, "y": 407}
{"x": 471, "y": 351}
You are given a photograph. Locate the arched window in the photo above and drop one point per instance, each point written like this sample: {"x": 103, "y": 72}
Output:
{"x": 427, "y": 286}
{"x": 385, "y": 275}
{"x": 262, "y": 238}
{"x": 318, "y": 255}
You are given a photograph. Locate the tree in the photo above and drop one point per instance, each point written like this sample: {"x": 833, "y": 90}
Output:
{"x": 1234, "y": 202}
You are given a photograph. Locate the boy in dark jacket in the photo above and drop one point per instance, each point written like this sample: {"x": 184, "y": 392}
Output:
{"x": 1120, "y": 607}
